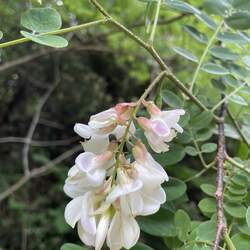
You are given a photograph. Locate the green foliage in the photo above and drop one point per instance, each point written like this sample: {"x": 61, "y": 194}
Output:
{"x": 71, "y": 246}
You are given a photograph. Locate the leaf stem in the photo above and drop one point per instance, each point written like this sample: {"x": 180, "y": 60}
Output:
{"x": 56, "y": 32}
{"x": 203, "y": 56}
{"x": 229, "y": 242}
{"x": 237, "y": 164}
{"x": 152, "y": 35}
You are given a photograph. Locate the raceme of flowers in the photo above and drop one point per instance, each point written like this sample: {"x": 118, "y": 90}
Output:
{"x": 108, "y": 188}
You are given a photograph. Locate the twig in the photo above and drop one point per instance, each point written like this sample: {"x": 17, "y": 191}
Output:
{"x": 157, "y": 13}
{"x": 39, "y": 171}
{"x": 220, "y": 226}
{"x": 35, "y": 143}
{"x": 34, "y": 122}
{"x": 237, "y": 164}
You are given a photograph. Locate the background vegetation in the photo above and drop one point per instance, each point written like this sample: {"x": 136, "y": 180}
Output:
{"x": 102, "y": 66}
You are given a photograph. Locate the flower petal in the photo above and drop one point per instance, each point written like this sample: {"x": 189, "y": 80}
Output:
{"x": 84, "y": 161}
{"x": 96, "y": 144}
{"x": 87, "y": 238}
{"x": 83, "y": 130}
{"x": 72, "y": 212}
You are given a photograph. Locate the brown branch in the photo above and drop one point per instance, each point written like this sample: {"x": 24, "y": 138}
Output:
{"x": 39, "y": 172}
{"x": 221, "y": 227}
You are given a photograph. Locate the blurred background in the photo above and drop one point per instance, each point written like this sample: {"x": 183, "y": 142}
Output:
{"x": 44, "y": 92}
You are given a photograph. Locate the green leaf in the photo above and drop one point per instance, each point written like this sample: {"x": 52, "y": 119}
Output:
{"x": 174, "y": 189}
{"x": 173, "y": 156}
{"x": 184, "y": 138}
{"x": 191, "y": 151}
{"x": 181, "y": 6}
{"x": 214, "y": 69}
{"x": 216, "y": 7}
{"x": 224, "y": 53}
{"x": 182, "y": 224}
{"x": 240, "y": 180}
{"x": 160, "y": 224}
{"x": 237, "y": 211}
{"x": 171, "y": 99}
{"x": 219, "y": 85}
{"x": 186, "y": 54}
{"x": 248, "y": 216}
{"x": 204, "y": 135}
{"x": 208, "y": 189}
{"x": 239, "y": 20}
{"x": 48, "y": 40}
{"x": 229, "y": 37}
{"x": 207, "y": 206}
{"x": 202, "y": 120}
{"x": 206, "y": 231}
{"x": 1, "y": 34}
{"x": 141, "y": 246}
{"x": 244, "y": 228}
{"x": 238, "y": 99}
{"x": 206, "y": 20}
{"x": 241, "y": 242}
{"x": 41, "y": 20}
{"x": 208, "y": 147}
{"x": 197, "y": 35}
{"x": 241, "y": 5}
{"x": 71, "y": 246}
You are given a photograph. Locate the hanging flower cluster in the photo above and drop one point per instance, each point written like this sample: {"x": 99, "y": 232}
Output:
{"x": 108, "y": 189}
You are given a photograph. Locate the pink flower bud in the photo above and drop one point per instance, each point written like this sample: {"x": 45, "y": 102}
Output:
{"x": 124, "y": 111}
{"x": 139, "y": 151}
{"x": 152, "y": 108}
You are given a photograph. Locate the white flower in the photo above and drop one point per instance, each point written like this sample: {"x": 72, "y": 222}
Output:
{"x": 88, "y": 172}
{"x": 150, "y": 172}
{"x": 124, "y": 232}
{"x": 160, "y": 128}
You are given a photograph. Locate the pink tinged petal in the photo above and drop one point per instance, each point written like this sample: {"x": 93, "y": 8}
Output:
{"x": 160, "y": 128}
{"x": 83, "y": 130}
{"x": 96, "y": 144}
{"x": 172, "y": 117}
{"x": 102, "y": 230}
{"x": 130, "y": 231}
{"x": 87, "y": 220}
{"x": 156, "y": 143}
{"x": 84, "y": 161}
{"x": 119, "y": 131}
{"x": 87, "y": 238}
{"x": 72, "y": 212}
{"x": 103, "y": 119}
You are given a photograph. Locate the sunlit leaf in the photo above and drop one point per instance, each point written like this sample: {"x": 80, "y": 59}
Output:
{"x": 188, "y": 55}
{"x": 239, "y": 20}
{"x": 214, "y": 69}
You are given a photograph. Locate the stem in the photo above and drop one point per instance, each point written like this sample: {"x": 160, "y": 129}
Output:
{"x": 210, "y": 42}
{"x": 237, "y": 164}
{"x": 152, "y": 35}
{"x": 227, "y": 97}
{"x": 57, "y": 32}
{"x": 138, "y": 104}
{"x": 229, "y": 242}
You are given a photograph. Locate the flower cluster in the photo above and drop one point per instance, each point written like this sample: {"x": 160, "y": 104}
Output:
{"x": 108, "y": 189}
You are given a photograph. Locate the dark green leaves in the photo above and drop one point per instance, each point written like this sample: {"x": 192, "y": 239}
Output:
{"x": 197, "y": 35}
{"x": 207, "y": 206}
{"x": 174, "y": 189}
{"x": 171, "y": 98}
{"x": 208, "y": 189}
{"x": 181, "y": 6}
{"x": 237, "y": 211}
{"x": 141, "y": 246}
{"x": 223, "y": 53}
{"x": 202, "y": 120}
{"x": 160, "y": 224}
{"x": 214, "y": 69}
{"x": 248, "y": 216}
{"x": 208, "y": 147}
{"x": 71, "y": 246}
{"x": 216, "y": 7}
{"x": 239, "y": 20}
{"x": 41, "y": 20}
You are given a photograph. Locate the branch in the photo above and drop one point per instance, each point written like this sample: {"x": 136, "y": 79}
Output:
{"x": 39, "y": 171}
{"x": 155, "y": 55}
{"x": 221, "y": 227}
{"x": 34, "y": 123}
{"x": 35, "y": 143}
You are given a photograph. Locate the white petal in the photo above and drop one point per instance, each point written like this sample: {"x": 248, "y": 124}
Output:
{"x": 103, "y": 119}
{"x": 96, "y": 144}
{"x": 86, "y": 238}
{"x": 72, "y": 190}
{"x": 84, "y": 161}
{"x": 119, "y": 131}
{"x": 155, "y": 142}
{"x": 114, "y": 233}
{"x": 121, "y": 190}
{"x": 88, "y": 221}
{"x": 83, "y": 130}
{"x": 130, "y": 231}
{"x": 72, "y": 212}
{"x": 102, "y": 230}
